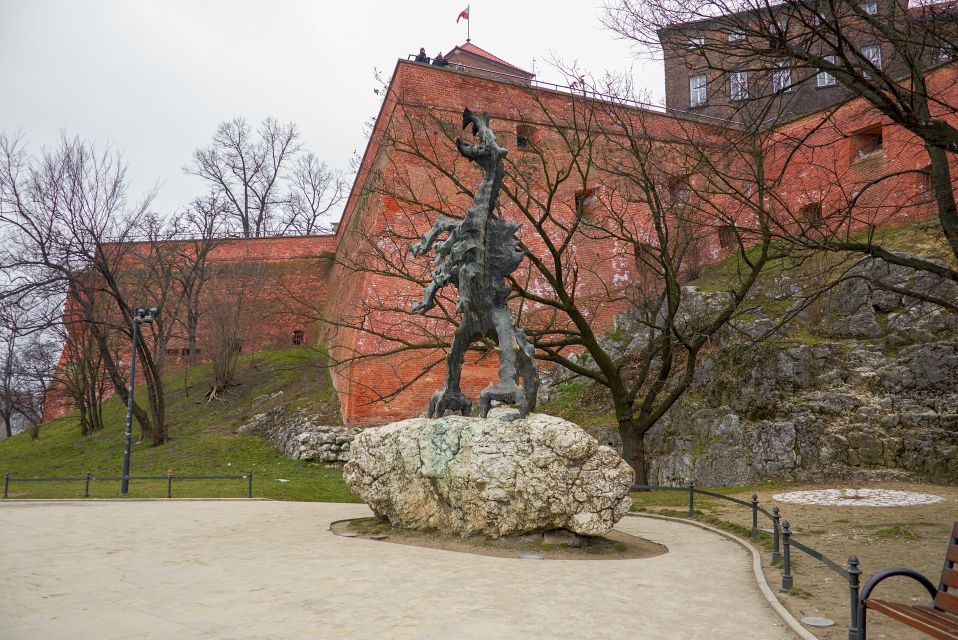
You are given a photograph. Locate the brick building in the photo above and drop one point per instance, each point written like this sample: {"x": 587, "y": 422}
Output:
{"x": 567, "y": 149}
{"x": 749, "y": 64}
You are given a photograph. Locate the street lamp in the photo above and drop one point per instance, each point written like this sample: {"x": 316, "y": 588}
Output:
{"x": 139, "y": 317}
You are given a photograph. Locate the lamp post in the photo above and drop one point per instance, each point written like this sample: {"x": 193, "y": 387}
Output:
{"x": 139, "y": 317}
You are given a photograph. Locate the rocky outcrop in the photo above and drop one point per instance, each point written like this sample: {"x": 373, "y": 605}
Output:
{"x": 298, "y": 435}
{"x": 843, "y": 410}
{"x": 499, "y": 476}
{"x": 863, "y": 383}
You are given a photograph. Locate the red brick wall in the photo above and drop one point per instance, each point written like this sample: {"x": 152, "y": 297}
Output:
{"x": 317, "y": 283}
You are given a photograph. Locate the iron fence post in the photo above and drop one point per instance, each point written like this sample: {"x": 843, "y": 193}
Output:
{"x": 6, "y": 484}
{"x": 754, "y": 515}
{"x": 249, "y": 484}
{"x": 787, "y": 559}
{"x": 691, "y": 498}
{"x": 854, "y": 577}
{"x": 776, "y": 531}
{"x": 169, "y": 483}
{"x": 86, "y": 485}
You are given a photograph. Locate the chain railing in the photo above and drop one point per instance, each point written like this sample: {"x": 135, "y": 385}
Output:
{"x": 170, "y": 477}
{"x": 782, "y": 543}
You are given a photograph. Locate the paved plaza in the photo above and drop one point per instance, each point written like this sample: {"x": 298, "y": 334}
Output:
{"x": 272, "y": 570}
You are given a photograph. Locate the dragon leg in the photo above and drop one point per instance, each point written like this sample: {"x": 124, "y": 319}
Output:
{"x": 451, "y": 398}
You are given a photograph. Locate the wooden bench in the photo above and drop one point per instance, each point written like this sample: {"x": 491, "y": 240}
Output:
{"x": 940, "y": 619}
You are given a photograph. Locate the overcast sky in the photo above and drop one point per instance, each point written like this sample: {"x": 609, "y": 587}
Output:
{"x": 155, "y": 77}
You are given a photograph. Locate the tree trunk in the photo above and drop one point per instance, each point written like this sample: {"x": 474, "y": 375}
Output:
{"x": 7, "y": 427}
{"x": 944, "y": 195}
{"x": 84, "y": 422}
{"x": 633, "y": 450}
{"x": 192, "y": 322}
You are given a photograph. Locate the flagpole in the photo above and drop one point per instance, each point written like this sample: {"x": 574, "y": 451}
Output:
{"x": 468, "y": 22}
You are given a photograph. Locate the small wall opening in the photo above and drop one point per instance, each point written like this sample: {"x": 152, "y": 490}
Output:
{"x": 811, "y": 212}
{"x": 586, "y": 201}
{"x": 680, "y": 189}
{"x": 727, "y": 236}
{"x": 298, "y": 337}
{"x": 526, "y": 137}
{"x": 867, "y": 143}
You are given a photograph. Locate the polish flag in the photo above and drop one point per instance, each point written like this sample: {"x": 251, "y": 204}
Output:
{"x": 463, "y": 14}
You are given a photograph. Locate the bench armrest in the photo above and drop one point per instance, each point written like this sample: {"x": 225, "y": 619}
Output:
{"x": 889, "y": 573}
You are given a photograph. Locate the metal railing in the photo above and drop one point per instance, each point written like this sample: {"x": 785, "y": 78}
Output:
{"x": 169, "y": 478}
{"x": 782, "y": 543}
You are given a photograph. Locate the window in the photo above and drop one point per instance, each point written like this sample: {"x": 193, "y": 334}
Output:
{"x": 298, "y": 335}
{"x": 172, "y": 351}
{"x": 696, "y": 42}
{"x": 186, "y": 351}
{"x": 739, "y": 85}
{"x": 872, "y": 53}
{"x": 825, "y": 79}
{"x": 778, "y": 27}
{"x": 680, "y": 189}
{"x": 697, "y": 91}
{"x": 736, "y": 36}
{"x": 727, "y": 237}
{"x": 811, "y": 212}
{"x": 926, "y": 185}
{"x": 585, "y": 200}
{"x": 871, "y": 8}
{"x": 866, "y": 142}
{"x": 782, "y": 77}
{"x": 525, "y": 136}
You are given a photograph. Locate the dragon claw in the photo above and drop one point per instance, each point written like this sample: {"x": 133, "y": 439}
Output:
{"x": 445, "y": 400}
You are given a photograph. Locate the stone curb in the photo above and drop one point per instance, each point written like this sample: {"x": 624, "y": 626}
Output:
{"x": 773, "y": 602}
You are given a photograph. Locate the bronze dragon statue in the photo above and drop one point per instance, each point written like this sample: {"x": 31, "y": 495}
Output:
{"x": 476, "y": 256}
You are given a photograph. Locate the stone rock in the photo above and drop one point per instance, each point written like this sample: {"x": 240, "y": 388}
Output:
{"x": 498, "y": 476}
{"x": 297, "y": 436}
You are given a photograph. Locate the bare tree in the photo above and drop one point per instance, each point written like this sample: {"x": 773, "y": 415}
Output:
{"x": 889, "y": 53}
{"x": 606, "y": 231}
{"x": 237, "y": 304}
{"x": 204, "y": 222}
{"x": 315, "y": 190}
{"x": 263, "y": 182}
{"x": 27, "y": 362}
{"x": 70, "y": 228}
{"x": 246, "y": 168}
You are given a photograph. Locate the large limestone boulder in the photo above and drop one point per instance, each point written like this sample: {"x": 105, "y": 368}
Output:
{"x": 495, "y": 476}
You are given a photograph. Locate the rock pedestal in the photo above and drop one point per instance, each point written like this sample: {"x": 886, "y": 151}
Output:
{"x": 494, "y": 476}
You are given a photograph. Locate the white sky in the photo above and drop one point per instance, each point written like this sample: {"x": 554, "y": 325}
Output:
{"x": 155, "y": 77}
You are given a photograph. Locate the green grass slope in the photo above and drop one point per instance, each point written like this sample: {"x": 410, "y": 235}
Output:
{"x": 203, "y": 439}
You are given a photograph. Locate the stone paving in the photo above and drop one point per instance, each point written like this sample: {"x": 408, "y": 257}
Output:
{"x": 858, "y": 497}
{"x": 273, "y": 570}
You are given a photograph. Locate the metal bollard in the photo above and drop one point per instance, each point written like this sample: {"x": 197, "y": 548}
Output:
{"x": 691, "y": 498}
{"x": 249, "y": 484}
{"x": 6, "y": 484}
{"x": 776, "y": 531}
{"x": 787, "y": 559}
{"x": 854, "y": 581}
{"x": 169, "y": 483}
{"x": 754, "y": 515}
{"x": 86, "y": 486}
